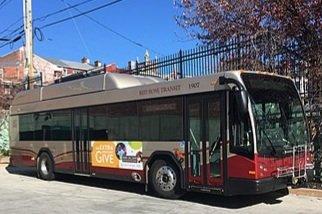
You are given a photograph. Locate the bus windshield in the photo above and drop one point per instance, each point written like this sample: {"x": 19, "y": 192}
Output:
{"x": 279, "y": 118}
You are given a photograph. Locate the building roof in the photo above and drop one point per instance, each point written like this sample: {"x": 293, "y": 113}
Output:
{"x": 69, "y": 64}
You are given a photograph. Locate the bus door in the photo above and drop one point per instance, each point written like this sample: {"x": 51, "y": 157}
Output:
{"x": 80, "y": 141}
{"x": 205, "y": 144}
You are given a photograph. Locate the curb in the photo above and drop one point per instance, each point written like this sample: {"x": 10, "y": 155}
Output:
{"x": 4, "y": 160}
{"x": 306, "y": 192}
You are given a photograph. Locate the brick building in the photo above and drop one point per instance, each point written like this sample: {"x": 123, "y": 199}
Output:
{"x": 12, "y": 71}
{"x": 12, "y": 67}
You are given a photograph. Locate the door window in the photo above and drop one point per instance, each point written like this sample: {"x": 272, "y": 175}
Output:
{"x": 194, "y": 133}
{"x": 213, "y": 136}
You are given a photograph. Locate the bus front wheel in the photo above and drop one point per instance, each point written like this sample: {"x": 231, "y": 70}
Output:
{"x": 45, "y": 167}
{"x": 165, "y": 179}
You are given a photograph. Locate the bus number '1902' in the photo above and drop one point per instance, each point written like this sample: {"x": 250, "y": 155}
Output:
{"x": 194, "y": 85}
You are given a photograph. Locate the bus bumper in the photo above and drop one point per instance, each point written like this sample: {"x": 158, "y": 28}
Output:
{"x": 253, "y": 187}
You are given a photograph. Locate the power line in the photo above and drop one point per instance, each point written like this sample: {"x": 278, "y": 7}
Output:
{"x": 81, "y": 14}
{"x": 39, "y": 18}
{"x": 8, "y": 40}
{"x": 19, "y": 36}
{"x": 42, "y": 18}
{"x": 13, "y": 33}
{"x": 79, "y": 33}
{"x": 9, "y": 26}
{"x": 4, "y": 3}
{"x": 15, "y": 39}
{"x": 115, "y": 32}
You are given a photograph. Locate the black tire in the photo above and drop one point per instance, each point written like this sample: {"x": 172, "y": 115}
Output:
{"x": 165, "y": 179}
{"x": 283, "y": 191}
{"x": 45, "y": 167}
{"x": 310, "y": 175}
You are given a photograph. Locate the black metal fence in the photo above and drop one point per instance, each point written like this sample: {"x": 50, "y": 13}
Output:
{"x": 33, "y": 82}
{"x": 260, "y": 53}
{"x": 252, "y": 53}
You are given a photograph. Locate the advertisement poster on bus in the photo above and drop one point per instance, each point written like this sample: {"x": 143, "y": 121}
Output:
{"x": 117, "y": 154}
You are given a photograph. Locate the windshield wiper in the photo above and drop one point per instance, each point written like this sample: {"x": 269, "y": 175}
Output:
{"x": 266, "y": 119}
{"x": 270, "y": 142}
{"x": 285, "y": 120}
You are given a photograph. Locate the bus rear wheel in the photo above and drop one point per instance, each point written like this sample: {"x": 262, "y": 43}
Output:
{"x": 45, "y": 167}
{"x": 165, "y": 179}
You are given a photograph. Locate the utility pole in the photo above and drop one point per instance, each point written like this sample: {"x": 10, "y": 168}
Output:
{"x": 27, "y": 15}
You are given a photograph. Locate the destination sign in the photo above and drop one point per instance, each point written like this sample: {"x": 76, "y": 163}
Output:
{"x": 160, "y": 90}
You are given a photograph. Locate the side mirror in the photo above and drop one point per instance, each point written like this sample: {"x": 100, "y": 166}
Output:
{"x": 242, "y": 102}
{"x": 241, "y": 95}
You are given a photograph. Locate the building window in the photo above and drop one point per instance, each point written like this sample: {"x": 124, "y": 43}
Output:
{"x": 57, "y": 74}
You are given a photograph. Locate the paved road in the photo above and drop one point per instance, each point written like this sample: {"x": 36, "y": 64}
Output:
{"x": 21, "y": 192}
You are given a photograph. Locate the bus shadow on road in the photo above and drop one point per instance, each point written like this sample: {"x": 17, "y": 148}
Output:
{"x": 233, "y": 202}
{"x": 21, "y": 171}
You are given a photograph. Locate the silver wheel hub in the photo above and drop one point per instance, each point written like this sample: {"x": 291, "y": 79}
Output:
{"x": 44, "y": 166}
{"x": 166, "y": 178}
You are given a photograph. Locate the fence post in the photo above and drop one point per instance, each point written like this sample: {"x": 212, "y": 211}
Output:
{"x": 239, "y": 55}
{"x": 137, "y": 67}
{"x": 28, "y": 82}
{"x": 40, "y": 79}
{"x": 180, "y": 64}
{"x": 129, "y": 67}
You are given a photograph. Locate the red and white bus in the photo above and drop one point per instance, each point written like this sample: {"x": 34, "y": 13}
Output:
{"x": 229, "y": 133}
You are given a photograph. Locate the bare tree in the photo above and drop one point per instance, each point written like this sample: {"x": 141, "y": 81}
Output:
{"x": 293, "y": 29}
{"x": 294, "y": 26}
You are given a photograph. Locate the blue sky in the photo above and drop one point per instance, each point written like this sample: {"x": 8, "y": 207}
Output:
{"x": 149, "y": 22}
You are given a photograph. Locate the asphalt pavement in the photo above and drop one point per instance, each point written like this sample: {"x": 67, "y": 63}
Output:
{"x": 22, "y": 192}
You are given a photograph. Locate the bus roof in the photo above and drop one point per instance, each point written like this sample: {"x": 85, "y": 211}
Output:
{"x": 114, "y": 87}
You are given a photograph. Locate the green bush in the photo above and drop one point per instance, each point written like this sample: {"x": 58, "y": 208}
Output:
{"x": 4, "y": 152}
{"x": 4, "y": 138}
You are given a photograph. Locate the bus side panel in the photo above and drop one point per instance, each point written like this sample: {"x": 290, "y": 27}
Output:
{"x": 25, "y": 153}
{"x": 240, "y": 167}
{"x": 62, "y": 152}
{"x": 20, "y": 153}
{"x": 119, "y": 174}
{"x": 103, "y": 166}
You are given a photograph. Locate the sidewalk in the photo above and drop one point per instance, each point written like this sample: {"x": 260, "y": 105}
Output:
{"x": 4, "y": 159}
{"x": 306, "y": 192}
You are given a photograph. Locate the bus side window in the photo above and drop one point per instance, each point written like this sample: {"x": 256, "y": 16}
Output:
{"x": 122, "y": 121}
{"x": 98, "y": 123}
{"x": 161, "y": 119}
{"x": 26, "y": 127}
